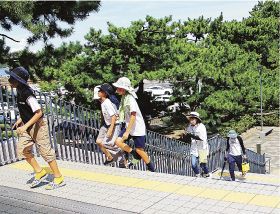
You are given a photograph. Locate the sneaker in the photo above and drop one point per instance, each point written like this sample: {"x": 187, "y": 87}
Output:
{"x": 197, "y": 175}
{"x": 150, "y": 166}
{"x": 38, "y": 178}
{"x": 56, "y": 183}
{"x": 206, "y": 175}
{"x": 129, "y": 165}
{"x": 107, "y": 162}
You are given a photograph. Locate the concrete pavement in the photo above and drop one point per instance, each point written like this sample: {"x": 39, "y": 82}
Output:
{"x": 270, "y": 145}
{"x": 146, "y": 192}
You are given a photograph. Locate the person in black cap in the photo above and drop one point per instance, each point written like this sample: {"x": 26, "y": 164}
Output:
{"x": 32, "y": 128}
{"x": 110, "y": 127}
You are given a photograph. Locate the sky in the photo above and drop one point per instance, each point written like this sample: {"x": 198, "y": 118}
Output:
{"x": 121, "y": 13}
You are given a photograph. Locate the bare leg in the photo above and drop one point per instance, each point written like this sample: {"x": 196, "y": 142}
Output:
{"x": 32, "y": 161}
{"x": 143, "y": 155}
{"x": 120, "y": 143}
{"x": 105, "y": 151}
{"x": 54, "y": 168}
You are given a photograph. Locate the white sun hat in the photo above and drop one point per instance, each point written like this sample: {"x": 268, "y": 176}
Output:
{"x": 194, "y": 114}
{"x": 95, "y": 92}
{"x": 125, "y": 83}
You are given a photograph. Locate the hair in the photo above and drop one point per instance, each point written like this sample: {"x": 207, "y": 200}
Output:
{"x": 114, "y": 100}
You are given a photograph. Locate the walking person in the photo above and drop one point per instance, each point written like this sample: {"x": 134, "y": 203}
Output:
{"x": 196, "y": 135}
{"x": 32, "y": 128}
{"x": 134, "y": 125}
{"x": 235, "y": 152}
{"x": 110, "y": 127}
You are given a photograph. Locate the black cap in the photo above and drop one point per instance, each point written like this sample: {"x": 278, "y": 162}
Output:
{"x": 107, "y": 88}
{"x": 20, "y": 74}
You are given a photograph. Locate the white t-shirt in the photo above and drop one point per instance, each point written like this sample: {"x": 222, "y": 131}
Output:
{"x": 200, "y": 131}
{"x": 33, "y": 103}
{"x": 139, "y": 127}
{"x": 234, "y": 147}
{"x": 108, "y": 110}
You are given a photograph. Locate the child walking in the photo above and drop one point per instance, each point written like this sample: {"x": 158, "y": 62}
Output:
{"x": 110, "y": 128}
{"x": 134, "y": 125}
{"x": 235, "y": 152}
{"x": 32, "y": 128}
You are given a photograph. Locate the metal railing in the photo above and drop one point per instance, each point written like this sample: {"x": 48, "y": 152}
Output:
{"x": 73, "y": 130}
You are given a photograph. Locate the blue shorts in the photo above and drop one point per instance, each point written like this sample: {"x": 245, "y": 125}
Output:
{"x": 139, "y": 141}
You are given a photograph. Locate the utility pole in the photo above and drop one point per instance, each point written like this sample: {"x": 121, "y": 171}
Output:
{"x": 260, "y": 71}
{"x": 262, "y": 135}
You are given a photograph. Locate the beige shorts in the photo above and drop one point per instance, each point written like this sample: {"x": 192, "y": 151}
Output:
{"x": 109, "y": 143}
{"x": 38, "y": 134}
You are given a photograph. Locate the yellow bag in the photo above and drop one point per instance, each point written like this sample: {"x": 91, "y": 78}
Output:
{"x": 202, "y": 156}
{"x": 245, "y": 167}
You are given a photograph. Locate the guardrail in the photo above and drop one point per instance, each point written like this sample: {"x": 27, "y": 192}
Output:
{"x": 73, "y": 130}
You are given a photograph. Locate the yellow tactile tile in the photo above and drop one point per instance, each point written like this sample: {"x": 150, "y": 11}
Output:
{"x": 239, "y": 197}
{"x": 146, "y": 184}
{"x": 167, "y": 187}
{"x": 265, "y": 200}
{"x": 205, "y": 192}
{"x": 251, "y": 177}
{"x": 214, "y": 194}
{"x": 190, "y": 190}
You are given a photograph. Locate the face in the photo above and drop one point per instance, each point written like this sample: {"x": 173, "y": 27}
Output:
{"x": 120, "y": 91}
{"x": 193, "y": 121}
{"x": 13, "y": 82}
{"x": 101, "y": 94}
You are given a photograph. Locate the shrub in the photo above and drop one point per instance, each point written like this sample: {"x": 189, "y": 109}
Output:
{"x": 246, "y": 122}
{"x": 3, "y": 126}
{"x": 9, "y": 134}
{"x": 269, "y": 120}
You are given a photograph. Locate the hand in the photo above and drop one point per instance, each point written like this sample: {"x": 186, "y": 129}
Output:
{"x": 21, "y": 130}
{"x": 225, "y": 158}
{"x": 125, "y": 136}
{"x": 15, "y": 126}
{"x": 109, "y": 134}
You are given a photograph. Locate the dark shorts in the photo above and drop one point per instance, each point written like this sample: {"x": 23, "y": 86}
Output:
{"x": 139, "y": 141}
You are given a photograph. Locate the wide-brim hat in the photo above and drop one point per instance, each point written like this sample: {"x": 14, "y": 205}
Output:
{"x": 125, "y": 83}
{"x": 232, "y": 134}
{"x": 194, "y": 114}
{"x": 20, "y": 74}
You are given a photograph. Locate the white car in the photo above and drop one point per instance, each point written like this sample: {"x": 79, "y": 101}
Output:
{"x": 177, "y": 107}
{"x": 158, "y": 90}
{"x": 162, "y": 98}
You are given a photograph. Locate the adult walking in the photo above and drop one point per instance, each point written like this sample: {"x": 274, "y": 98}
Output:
{"x": 196, "y": 134}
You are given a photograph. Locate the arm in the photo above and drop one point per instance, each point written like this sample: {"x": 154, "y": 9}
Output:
{"x": 111, "y": 128}
{"x": 242, "y": 145}
{"x": 186, "y": 138}
{"x": 196, "y": 137}
{"x": 130, "y": 124}
{"x": 17, "y": 123}
{"x": 38, "y": 114}
{"x": 227, "y": 145}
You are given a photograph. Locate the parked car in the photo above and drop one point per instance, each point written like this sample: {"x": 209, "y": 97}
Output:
{"x": 162, "y": 98}
{"x": 178, "y": 107}
{"x": 158, "y": 90}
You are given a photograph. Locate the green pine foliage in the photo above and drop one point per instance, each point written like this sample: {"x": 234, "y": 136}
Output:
{"x": 213, "y": 64}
